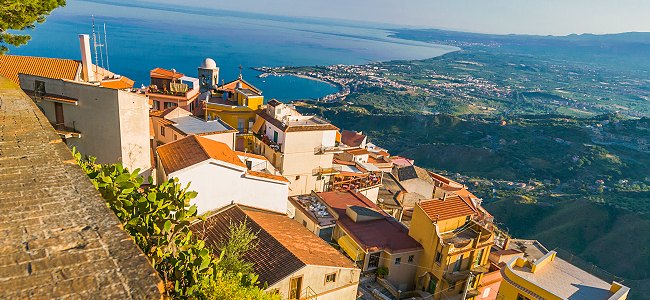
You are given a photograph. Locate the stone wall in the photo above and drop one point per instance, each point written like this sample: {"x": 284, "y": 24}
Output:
{"x": 57, "y": 236}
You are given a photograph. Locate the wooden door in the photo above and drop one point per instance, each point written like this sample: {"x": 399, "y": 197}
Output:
{"x": 58, "y": 112}
{"x": 295, "y": 286}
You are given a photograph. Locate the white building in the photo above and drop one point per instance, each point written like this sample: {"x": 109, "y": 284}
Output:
{"x": 300, "y": 147}
{"x": 220, "y": 176}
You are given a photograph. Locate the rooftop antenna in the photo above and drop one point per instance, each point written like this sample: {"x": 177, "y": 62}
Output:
{"x": 94, "y": 42}
{"x": 106, "y": 48}
{"x": 240, "y": 70}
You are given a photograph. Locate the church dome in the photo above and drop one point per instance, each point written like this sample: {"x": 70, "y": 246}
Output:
{"x": 208, "y": 63}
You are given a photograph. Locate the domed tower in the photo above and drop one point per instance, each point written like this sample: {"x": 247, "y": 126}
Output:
{"x": 208, "y": 75}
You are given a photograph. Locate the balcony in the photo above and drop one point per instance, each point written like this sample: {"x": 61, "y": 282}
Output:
{"x": 66, "y": 132}
{"x": 480, "y": 269}
{"x": 453, "y": 277}
{"x": 326, "y": 171}
{"x": 468, "y": 236}
{"x": 264, "y": 139}
{"x": 362, "y": 181}
{"x": 320, "y": 150}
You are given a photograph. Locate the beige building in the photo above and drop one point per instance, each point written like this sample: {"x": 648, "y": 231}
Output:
{"x": 368, "y": 235}
{"x": 91, "y": 108}
{"x": 300, "y": 147}
{"x": 289, "y": 259}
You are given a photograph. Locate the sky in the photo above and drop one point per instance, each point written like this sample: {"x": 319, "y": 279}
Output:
{"x": 544, "y": 17}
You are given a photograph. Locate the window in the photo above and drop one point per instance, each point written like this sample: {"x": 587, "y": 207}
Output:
{"x": 162, "y": 130}
{"x": 175, "y": 137}
{"x": 411, "y": 257}
{"x": 39, "y": 88}
{"x": 438, "y": 256}
{"x": 458, "y": 263}
{"x": 522, "y": 297}
{"x": 373, "y": 260}
{"x": 169, "y": 104}
{"x": 398, "y": 260}
{"x": 156, "y": 105}
{"x": 275, "y": 136}
{"x": 478, "y": 258}
{"x": 298, "y": 177}
{"x": 240, "y": 125}
{"x": 329, "y": 278}
{"x": 304, "y": 223}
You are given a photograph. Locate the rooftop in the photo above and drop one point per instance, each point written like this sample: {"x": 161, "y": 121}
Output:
{"x": 449, "y": 208}
{"x": 192, "y": 150}
{"x": 408, "y": 172}
{"x": 304, "y": 123}
{"x": 559, "y": 277}
{"x": 165, "y": 74}
{"x": 352, "y": 138}
{"x": 248, "y": 92}
{"x": 61, "y": 241}
{"x": 373, "y": 235}
{"x": 231, "y": 86}
{"x": 194, "y": 125}
{"x": 314, "y": 209}
{"x": 57, "y": 68}
{"x": 284, "y": 245}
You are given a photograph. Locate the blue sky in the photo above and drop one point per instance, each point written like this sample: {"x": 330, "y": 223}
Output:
{"x": 557, "y": 17}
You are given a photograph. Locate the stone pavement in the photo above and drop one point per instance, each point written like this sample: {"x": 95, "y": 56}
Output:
{"x": 58, "y": 239}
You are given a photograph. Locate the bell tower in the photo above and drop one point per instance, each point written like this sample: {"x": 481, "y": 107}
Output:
{"x": 208, "y": 75}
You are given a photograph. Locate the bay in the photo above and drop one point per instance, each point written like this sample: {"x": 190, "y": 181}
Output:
{"x": 144, "y": 35}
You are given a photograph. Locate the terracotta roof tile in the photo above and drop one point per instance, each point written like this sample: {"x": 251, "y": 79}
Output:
{"x": 192, "y": 150}
{"x": 383, "y": 234}
{"x": 352, "y": 138}
{"x": 267, "y": 176}
{"x": 284, "y": 246}
{"x": 165, "y": 74}
{"x": 57, "y": 68}
{"x": 230, "y": 86}
{"x": 451, "y": 207}
{"x": 357, "y": 151}
{"x": 118, "y": 84}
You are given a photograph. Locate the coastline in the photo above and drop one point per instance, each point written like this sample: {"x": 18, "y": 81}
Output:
{"x": 343, "y": 89}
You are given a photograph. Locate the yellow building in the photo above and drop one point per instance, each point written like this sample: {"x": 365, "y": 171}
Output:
{"x": 235, "y": 103}
{"x": 550, "y": 277}
{"x": 456, "y": 248}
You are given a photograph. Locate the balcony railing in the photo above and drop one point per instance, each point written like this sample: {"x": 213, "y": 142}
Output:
{"x": 66, "y": 132}
{"x": 343, "y": 182}
{"x": 326, "y": 171}
{"x": 264, "y": 139}
{"x": 327, "y": 150}
{"x": 453, "y": 277}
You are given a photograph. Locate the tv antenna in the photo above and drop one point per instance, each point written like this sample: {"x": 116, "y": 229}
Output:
{"x": 97, "y": 43}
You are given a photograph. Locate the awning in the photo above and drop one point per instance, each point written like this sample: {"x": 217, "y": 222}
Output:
{"x": 350, "y": 247}
{"x": 258, "y": 125}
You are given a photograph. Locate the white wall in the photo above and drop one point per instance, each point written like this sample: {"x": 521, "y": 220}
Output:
{"x": 345, "y": 286}
{"x": 114, "y": 124}
{"x": 218, "y": 185}
{"x": 227, "y": 138}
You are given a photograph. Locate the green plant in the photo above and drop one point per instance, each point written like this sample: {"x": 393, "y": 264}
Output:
{"x": 18, "y": 15}
{"x": 158, "y": 219}
{"x": 382, "y": 272}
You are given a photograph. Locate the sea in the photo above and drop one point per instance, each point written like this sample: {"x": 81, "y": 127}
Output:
{"x": 141, "y": 36}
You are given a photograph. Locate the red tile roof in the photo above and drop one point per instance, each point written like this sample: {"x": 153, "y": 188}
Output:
{"x": 284, "y": 246}
{"x": 191, "y": 150}
{"x": 358, "y": 151}
{"x": 383, "y": 234}
{"x": 118, "y": 84}
{"x": 352, "y": 138}
{"x": 267, "y": 176}
{"x": 451, "y": 207}
{"x": 165, "y": 74}
{"x": 57, "y": 68}
{"x": 231, "y": 86}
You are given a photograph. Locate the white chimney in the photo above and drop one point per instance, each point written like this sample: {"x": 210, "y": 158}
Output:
{"x": 86, "y": 60}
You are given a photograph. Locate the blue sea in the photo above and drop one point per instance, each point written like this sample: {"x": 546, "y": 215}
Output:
{"x": 144, "y": 35}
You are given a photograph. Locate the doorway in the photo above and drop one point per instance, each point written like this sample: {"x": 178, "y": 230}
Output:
{"x": 295, "y": 286}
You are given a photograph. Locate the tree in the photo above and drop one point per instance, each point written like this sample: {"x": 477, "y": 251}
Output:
{"x": 18, "y": 15}
{"x": 158, "y": 218}
{"x": 241, "y": 240}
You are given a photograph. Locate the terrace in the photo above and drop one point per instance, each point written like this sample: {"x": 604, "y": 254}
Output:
{"x": 356, "y": 181}
{"x": 314, "y": 209}
{"x": 469, "y": 236}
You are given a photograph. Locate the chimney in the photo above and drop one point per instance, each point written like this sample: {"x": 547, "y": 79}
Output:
{"x": 86, "y": 58}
